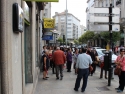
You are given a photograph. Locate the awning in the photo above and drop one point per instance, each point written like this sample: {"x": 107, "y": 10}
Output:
{"x": 43, "y": 0}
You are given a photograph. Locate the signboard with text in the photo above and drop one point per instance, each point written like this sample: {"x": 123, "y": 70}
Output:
{"x": 47, "y": 37}
{"x": 49, "y": 23}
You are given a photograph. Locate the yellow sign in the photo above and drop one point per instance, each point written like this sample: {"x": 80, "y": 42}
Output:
{"x": 49, "y": 23}
{"x": 43, "y": 0}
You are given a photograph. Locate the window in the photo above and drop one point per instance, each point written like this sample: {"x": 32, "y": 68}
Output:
{"x": 69, "y": 23}
{"x": 68, "y": 27}
{"x": 69, "y": 19}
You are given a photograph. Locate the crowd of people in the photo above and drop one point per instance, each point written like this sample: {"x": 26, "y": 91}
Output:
{"x": 84, "y": 62}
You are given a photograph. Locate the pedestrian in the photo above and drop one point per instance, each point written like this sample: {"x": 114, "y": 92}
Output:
{"x": 69, "y": 59}
{"x": 82, "y": 67}
{"x": 102, "y": 68}
{"x": 75, "y": 56}
{"x": 50, "y": 56}
{"x": 59, "y": 60}
{"x": 93, "y": 57}
{"x": 120, "y": 62}
{"x": 53, "y": 63}
{"x": 45, "y": 65}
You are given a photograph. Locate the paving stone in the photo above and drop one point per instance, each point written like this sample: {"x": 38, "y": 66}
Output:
{"x": 65, "y": 86}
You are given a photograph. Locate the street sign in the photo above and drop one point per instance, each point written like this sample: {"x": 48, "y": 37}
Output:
{"x": 101, "y": 10}
{"x": 48, "y": 33}
{"x": 99, "y": 27}
{"x": 49, "y": 23}
{"x": 98, "y": 19}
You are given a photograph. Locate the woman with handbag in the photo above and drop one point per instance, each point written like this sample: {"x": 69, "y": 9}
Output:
{"x": 120, "y": 63}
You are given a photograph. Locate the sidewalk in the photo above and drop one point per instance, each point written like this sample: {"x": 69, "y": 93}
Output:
{"x": 65, "y": 86}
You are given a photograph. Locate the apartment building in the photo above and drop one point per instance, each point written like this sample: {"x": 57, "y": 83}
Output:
{"x": 73, "y": 25}
{"x": 82, "y": 29}
{"x": 98, "y": 3}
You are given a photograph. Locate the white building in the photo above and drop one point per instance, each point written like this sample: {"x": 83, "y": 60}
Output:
{"x": 97, "y": 3}
{"x": 47, "y": 10}
{"x": 82, "y": 29}
{"x": 73, "y": 25}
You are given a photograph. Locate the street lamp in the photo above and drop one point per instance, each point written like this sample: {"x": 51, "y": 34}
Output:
{"x": 66, "y": 23}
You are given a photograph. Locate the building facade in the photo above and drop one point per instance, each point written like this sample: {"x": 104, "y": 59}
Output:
{"x": 101, "y": 4}
{"x": 82, "y": 29}
{"x": 20, "y": 51}
{"x": 73, "y": 25}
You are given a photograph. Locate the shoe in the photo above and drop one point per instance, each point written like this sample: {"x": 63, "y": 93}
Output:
{"x": 106, "y": 77}
{"x": 100, "y": 77}
{"x": 82, "y": 91}
{"x": 45, "y": 79}
{"x": 75, "y": 89}
{"x": 119, "y": 91}
{"x": 91, "y": 74}
{"x": 61, "y": 78}
{"x": 116, "y": 88}
{"x": 57, "y": 78}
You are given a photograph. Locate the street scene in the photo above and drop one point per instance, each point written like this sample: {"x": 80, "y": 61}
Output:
{"x": 62, "y": 46}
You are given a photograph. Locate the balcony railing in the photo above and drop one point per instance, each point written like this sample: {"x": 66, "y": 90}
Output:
{"x": 118, "y": 2}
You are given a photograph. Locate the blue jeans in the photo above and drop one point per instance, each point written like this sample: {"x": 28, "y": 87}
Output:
{"x": 82, "y": 73}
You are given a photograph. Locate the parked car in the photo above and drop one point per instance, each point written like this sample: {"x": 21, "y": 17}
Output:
{"x": 101, "y": 53}
{"x": 97, "y": 47}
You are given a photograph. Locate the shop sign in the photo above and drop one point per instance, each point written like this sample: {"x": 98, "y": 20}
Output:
{"x": 18, "y": 18}
{"x": 26, "y": 11}
{"x": 43, "y": 0}
{"x": 47, "y": 37}
{"x": 49, "y": 23}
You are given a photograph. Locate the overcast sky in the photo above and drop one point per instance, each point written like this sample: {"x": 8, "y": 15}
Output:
{"x": 76, "y": 7}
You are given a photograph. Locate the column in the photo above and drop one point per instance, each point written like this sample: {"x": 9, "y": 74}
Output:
{"x": 3, "y": 48}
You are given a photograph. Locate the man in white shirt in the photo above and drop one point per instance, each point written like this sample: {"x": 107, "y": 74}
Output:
{"x": 82, "y": 68}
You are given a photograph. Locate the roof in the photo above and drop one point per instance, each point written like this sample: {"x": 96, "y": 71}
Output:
{"x": 64, "y": 13}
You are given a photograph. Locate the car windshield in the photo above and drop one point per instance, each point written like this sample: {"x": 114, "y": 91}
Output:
{"x": 101, "y": 52}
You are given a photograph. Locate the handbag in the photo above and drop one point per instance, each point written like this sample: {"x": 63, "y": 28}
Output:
{"x": 90, "y": 68}
{"x": 117, "y": 71}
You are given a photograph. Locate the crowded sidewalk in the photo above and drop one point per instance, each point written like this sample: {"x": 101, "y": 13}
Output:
{"x": 66, "y": 86}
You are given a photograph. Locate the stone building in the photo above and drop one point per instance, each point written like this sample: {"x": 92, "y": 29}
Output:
{"x": 20, "y": 51}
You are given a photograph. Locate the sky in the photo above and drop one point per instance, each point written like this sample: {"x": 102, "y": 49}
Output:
{"x": 75, "y": 7}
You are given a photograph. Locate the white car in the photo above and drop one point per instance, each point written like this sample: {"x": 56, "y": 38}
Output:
{"x": 97, "y": 47}
{"x": 101, "y": 53}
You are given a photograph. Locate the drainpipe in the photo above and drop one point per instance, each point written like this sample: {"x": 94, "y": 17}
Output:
{"x": 3, "y": 48}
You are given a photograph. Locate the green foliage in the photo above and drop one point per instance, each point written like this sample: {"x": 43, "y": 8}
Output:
{"x": 60, "y": 40}
{"x": 86, "y": 36}
{"x": 76, "y": 41}
{"x": 106, "y": 36}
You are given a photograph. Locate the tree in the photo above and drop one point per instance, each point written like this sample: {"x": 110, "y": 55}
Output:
{"x": 106, "y": 36}
{"x": 60, "y": 40}
{"x": 76, "y": 41}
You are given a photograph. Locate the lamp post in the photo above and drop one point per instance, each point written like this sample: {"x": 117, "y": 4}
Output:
{"x": 66, "y": 23}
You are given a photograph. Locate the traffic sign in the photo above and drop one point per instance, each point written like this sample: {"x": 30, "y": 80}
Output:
{"x": 99, "y": 10}
{"x": 49, "y": 23}
{"x": 98, "y": 28}
{"x": 98, "y": 19}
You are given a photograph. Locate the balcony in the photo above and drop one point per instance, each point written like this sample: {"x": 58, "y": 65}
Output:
{"x": 118, "y": 2}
